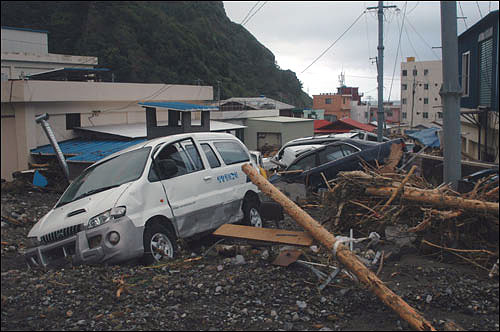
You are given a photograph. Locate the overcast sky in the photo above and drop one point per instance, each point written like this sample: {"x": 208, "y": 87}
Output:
{"x": 299, "y": 32}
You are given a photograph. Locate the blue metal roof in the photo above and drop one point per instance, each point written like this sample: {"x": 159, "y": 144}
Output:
{"x": 86, "y": 150}
{"x": 24, "y": 29}
{"x": 178, "y": 106}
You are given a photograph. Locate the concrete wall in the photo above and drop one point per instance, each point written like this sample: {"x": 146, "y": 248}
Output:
{"x": 289, "y": 129}
{"x": 25, "y": 41}
{"x": 97, "y": 103}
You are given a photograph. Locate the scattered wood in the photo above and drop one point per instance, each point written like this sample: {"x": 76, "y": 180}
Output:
{"x": 344, "y": 255}
{"x": 265, "y": 234}
{"x": 428, "y": 196}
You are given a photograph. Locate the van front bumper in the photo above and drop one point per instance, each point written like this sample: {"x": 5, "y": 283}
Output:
{"x": 91, "y": 246}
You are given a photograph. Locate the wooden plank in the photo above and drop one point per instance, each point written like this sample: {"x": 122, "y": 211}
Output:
{"x": 265, "y": 234}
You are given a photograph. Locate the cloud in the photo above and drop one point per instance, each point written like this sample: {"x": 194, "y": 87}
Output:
{"x": 298, "y": 32}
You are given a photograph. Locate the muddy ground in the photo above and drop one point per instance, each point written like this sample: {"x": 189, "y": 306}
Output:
{"x": 222, "y": 293}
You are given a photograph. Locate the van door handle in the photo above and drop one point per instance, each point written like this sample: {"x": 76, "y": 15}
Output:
{"x": 206, "y": 178}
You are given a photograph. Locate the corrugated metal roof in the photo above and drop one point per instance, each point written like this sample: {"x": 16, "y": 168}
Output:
{"x": 85, "y": 150}
{"x": 178, "y": 106}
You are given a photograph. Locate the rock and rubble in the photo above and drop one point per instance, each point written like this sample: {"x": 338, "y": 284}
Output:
{"x": 204, "y": 290}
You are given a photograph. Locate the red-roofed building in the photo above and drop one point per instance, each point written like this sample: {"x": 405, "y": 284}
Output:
{"x": 344, "y": 125}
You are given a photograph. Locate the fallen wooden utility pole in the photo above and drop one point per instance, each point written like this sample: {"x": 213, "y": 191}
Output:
{"x": 428, "y": 196}
{"x": 343, "y": 254}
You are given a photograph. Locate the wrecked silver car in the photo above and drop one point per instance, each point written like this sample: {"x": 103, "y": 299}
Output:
{"x": 137, "y": 202}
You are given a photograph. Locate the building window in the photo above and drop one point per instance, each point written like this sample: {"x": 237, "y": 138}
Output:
{"x": 465, "y": 73}
{"x": 366, "y": 115}
{"x": 426, "y": 71}
{"x": 426, "y": 101}
{"x": 440, "y": 115}
{"x": 328, "y": 100}
{"x": 485, "y": 71}
{"x": 425, "y": 115}
{"x": 389, "y": 113}
{"x": 405, "y": 72}
{"x": 404, "y": 115}
{"x": 404, "y": 101}
{"x": 404, "y": 87}
{"x": 415, "y": 72}
{"x": 343, "y": 100}
{"x": 426, "y": 86}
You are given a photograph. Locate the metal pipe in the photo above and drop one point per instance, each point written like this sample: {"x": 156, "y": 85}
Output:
{"x": 41, "y": 119}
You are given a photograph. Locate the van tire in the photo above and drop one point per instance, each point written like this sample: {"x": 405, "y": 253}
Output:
{"x": 159, "y": 237}
{"x": 251, "y": 214}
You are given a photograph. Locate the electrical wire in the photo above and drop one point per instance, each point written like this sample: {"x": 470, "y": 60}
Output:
{"x": 478, "y": 8}
{"x": 418, "y": 34}
{"x": 255, "y": 5}
{"x": 409, "y": 40}
{"x": 329, "y": 47}
{"x": 397, "y": 52}
{"x": 254, "y": 14}
{"x": 464, "y": 18}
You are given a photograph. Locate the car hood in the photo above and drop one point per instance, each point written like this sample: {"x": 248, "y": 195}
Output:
{"x": 77, "y": 212}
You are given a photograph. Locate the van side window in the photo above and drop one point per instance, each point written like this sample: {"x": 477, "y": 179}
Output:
{"x": 212, "y": 158}
{"x": 177, "y": 159}
{"x": 231, "y": 152}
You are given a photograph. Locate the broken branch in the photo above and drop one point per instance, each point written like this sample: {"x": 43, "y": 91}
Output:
{"x": 345, "y": 256}
{"x": 428, "y": 196}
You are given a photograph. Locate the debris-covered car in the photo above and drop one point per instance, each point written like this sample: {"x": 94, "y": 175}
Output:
{"x": 332, "y": 159}
{"x": 138, "y": 201}
{"x": 357, "y": 135}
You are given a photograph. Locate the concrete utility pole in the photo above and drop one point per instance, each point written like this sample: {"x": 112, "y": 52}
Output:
{"x": 380, "y": 68}
{"x": 450, "y": 95}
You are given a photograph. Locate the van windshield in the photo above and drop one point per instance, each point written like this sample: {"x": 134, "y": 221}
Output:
{"x": 112, "y": 173}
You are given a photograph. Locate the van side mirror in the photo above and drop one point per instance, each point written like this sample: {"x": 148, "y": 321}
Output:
{"x": 168, "y": 168}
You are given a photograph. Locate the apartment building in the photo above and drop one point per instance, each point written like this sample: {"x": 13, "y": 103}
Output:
{"x": 420, "y": 99}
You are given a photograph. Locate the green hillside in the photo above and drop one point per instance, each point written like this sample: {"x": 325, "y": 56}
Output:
{"x": 176, "y": 42}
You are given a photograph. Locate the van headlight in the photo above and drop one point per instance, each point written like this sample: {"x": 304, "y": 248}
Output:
{"x": 106, "y": 216}
{"x": 32, "y": 242}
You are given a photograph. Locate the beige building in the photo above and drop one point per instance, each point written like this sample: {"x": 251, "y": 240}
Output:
{"x": 85, "y": 103}
{"x": 420, "y": 99}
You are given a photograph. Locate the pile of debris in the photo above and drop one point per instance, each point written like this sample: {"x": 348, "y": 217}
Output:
{"x": 408, "y": 210}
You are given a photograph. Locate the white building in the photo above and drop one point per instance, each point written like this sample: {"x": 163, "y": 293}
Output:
{"x": 361, "y": 112}
{"x": 26, "y": 51}
{"x": 420, "y": 99}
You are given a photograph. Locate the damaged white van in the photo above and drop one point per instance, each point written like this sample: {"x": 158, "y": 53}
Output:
{"x": 137, "y": 202}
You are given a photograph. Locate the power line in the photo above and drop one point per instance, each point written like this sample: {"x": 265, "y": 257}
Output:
{"x": 255, "y": 5}
{"x": 463, "y": 16}
{"x": 413, "y": 8}
{"x": 397, "y": 52}
{"x": 335, "y": 41}
{"x": 254, "y": 14}
{"x": 418, "y": 34}
{"x": 409, "y": 40}
{"x": 481, "y": 14}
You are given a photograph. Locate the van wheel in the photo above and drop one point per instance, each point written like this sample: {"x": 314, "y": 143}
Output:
{"x": 251, "y": 214}
{"x": 159, "y": 244}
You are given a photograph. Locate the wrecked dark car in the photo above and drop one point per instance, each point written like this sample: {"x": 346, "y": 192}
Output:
{"x": 330, "y": 160}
